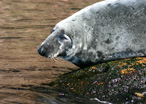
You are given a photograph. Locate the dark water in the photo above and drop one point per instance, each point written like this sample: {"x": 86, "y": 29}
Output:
{"x": 24, "y": 24}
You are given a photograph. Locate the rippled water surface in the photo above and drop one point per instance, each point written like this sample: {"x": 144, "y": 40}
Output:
{"x": 24, "y": 24}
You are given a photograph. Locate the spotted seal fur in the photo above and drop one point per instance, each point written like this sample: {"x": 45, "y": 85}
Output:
{"x": 107, "y": 30}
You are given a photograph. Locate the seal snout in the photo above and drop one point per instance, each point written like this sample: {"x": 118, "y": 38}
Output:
{"x": 41, "y": 51}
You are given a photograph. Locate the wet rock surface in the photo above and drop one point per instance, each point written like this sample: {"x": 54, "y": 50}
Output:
{"x": 122, "y": 81}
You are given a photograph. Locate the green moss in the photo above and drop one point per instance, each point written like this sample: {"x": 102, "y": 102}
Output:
{"x": 106, "y": 79}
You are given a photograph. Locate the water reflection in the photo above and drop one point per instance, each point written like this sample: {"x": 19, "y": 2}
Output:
{"x": 24, "y": 24}
{"x": 10, "y": 37}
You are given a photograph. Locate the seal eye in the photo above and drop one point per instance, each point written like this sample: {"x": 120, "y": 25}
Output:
{"x": 63, "y": 37}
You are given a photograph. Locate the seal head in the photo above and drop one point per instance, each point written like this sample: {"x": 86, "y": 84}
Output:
{"x": 57, "y": 44}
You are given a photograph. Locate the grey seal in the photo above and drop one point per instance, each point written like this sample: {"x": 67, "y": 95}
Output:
{"x": 104, "y": 31}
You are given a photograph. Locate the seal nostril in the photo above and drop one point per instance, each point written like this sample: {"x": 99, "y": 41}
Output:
{"x": 41, "y": 51}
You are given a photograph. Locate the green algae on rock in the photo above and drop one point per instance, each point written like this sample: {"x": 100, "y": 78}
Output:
{"x": 117, "y": 81}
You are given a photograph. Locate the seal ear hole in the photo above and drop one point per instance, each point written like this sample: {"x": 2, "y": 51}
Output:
{"x": 62, "y": 31}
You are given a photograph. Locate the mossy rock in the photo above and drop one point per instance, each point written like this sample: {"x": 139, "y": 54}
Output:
{"x": 122, "y": 81}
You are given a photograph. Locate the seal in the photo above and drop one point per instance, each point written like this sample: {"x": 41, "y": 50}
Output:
{"x": 104, "y": 31}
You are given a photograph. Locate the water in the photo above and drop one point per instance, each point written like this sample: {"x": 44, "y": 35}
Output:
{"x": 24, "y": 24}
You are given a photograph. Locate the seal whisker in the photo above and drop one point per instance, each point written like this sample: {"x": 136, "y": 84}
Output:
{"x": 54, "y": 59}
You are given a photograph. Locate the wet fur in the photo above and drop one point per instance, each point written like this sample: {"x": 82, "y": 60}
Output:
{"x": 108, "y": 30}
